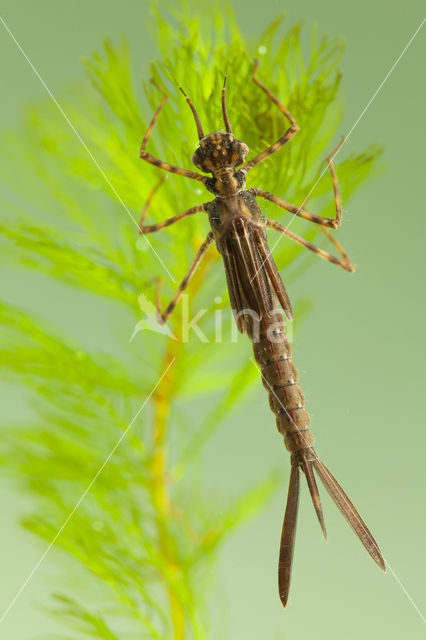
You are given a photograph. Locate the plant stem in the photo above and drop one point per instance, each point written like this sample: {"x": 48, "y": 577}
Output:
{"x": 160, "y": 489}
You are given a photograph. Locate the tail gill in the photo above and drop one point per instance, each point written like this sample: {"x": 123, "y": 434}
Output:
{"x": 345, "y": 506}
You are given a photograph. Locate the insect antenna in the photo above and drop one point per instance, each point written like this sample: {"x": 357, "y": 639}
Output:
{"x": 224, "y": 111}
{"x": 195, "y": 114}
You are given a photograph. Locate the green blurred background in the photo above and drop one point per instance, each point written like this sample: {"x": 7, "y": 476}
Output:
{"x": 360, "y": 352}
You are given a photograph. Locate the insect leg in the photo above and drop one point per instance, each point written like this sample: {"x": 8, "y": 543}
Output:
{"x": 334, "y": 223}
{"x": 159, "y": 163}
{"x": 145, "y": 229}
{"x": 191, "y": 271}
{"x": 290, "y": 133}
{"x": 148, "y": 203}
{"x": 166, "y": 223}
{"x": 345, "y": 262}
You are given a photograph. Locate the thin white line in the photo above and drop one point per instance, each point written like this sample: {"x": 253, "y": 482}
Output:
{"x": 405, "y": 591}
{"x": 95, "y": 162}
{"x": 353, "y": 126}
{"x": 387, "y": 76}
{"x": 322, "y": 173}
{"x": 343, "y": 496}
{"x": 123, "y": 435}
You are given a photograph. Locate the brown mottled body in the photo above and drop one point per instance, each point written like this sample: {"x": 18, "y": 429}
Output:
{"x": 240, "y": 235}
{"x": 280, "y": 379}
{"x": 256, "y": 292}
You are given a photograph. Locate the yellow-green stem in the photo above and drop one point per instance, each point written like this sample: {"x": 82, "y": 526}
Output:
{"x": 161, "y": 495}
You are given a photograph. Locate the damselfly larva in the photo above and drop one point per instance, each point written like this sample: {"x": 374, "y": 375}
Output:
{"x": 255, "y": 290}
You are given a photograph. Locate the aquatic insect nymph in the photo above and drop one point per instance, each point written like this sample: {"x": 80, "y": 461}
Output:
{"x": 255, "y": 291}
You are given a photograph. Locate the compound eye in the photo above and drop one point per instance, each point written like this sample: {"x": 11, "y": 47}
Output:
{"x": 197, "y": 158}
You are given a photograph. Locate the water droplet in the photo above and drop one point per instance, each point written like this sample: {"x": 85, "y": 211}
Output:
{"x": 262, "y": 50}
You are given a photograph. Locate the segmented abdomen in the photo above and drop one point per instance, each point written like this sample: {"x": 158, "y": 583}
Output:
{"x": 280, "y": 379}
